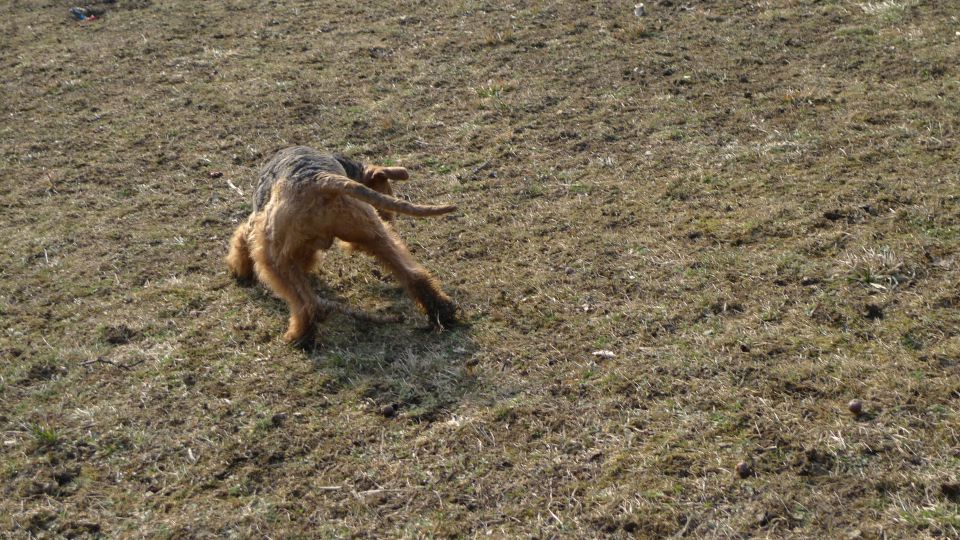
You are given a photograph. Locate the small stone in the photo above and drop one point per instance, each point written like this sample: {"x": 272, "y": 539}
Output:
{"x": 744, "y": 469}
{"x": 855, "y": 406}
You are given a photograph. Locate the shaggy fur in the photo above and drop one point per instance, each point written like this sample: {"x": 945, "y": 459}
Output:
{"x": 304, "y": 200}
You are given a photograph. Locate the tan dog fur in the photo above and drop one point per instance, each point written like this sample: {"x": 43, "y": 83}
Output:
{"x": 280, "y": 242}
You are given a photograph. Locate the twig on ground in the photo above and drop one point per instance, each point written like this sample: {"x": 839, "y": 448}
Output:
{"x": 102, "y": 360}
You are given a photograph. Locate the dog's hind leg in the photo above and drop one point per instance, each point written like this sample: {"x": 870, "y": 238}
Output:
{"x": 416, "y": 280}
{"x": 239, "y": 260}
{"x": 287, "y": 277}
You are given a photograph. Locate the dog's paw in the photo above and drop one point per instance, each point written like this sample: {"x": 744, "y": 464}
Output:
{"x": 443, "y": 315}
{"x": 244, "y": 280}
{"x": 306, "y": 343}
{"x": 301, "y": 340}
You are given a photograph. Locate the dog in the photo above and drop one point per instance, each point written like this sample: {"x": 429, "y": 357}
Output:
{"x": 304, "y": 200}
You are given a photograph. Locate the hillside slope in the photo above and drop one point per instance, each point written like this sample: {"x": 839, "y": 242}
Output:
{"x": 684, "y": 241}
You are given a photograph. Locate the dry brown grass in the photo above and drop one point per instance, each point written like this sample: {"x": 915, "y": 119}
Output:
{"x": 753, "y": 205}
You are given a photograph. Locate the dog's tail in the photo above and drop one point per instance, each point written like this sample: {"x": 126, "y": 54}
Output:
{"x": 342, "y": 185}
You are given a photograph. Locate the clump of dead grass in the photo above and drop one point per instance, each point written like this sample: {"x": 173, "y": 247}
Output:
{"x": 877, "y": 267}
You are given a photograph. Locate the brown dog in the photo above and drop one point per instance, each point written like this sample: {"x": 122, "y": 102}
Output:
{"x": 304, "y": 200}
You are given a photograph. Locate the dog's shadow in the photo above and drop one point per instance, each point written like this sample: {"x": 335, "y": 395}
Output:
{"x": 403, "y": 368}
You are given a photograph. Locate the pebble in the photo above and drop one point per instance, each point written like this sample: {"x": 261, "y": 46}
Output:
{"x": 855, "y": 406}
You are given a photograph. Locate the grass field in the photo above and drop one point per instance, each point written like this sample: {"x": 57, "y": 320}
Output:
{"x": 752, "y": 207}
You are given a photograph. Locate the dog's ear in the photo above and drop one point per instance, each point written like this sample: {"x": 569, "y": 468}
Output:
{"x": 391, "y": 173}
